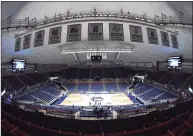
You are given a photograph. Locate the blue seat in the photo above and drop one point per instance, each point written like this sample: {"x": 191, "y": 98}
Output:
{"x": 97, "y": 87}
{"x": 83, "y": 87}
{"x": 166, "y": 96}
{"x": 70, "y": 86}
{"x": 122, "y": 86}
{"x": 111, "y": 86}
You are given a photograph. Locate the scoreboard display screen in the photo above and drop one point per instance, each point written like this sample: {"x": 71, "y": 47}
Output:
{"x": 18, "y": 65}
{"x": 175, "y": 63}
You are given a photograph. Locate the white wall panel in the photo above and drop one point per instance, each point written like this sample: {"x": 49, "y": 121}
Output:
{"x": 51, "y": 53}
{"x": 41, "y": 9}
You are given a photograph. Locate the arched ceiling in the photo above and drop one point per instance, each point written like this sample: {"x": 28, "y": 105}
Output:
{"x": 13, "y": 8}
{"x": 51, "y": 54}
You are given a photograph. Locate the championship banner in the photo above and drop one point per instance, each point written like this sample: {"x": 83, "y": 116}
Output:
{"x": 95, "y": 31}
{"x": 26, "y": 41}
{"x": 165, "y": 39}
{"x": 152, "y": 36}
{"x": 17, "y": 44}
{"x": 55, "y": 35}
{"x": 116, "y": 32}
{"x": 39, "y": 38}
{"x": 136, "y": 33}
{"x": 174, "y": 41}
{"x": 74, "y": 33}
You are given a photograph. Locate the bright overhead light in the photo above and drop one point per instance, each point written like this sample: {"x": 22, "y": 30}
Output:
{"x": 101, "y": 50}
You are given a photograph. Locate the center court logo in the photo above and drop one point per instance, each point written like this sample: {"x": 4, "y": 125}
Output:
{"x": 97, "y": 99}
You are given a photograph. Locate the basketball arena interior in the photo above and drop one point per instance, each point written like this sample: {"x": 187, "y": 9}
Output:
{"x": 96, "y": 69}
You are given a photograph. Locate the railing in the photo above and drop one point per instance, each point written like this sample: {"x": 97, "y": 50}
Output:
{"x": 27, "y": 22}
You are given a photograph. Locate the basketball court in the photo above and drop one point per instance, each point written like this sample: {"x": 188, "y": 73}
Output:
{"x": 96, "y": 99}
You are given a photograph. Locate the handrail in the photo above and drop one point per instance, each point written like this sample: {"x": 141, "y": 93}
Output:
{"x": 27, "y": 22}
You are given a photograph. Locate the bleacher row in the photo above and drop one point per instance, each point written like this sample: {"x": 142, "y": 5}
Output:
{"x": 148, "y": 93}
{"x": 90, "y": 73}
{"x": 46, "y": 95}
{"x": 17, "y": 82}
{"x": 95, "y": 87}
{"x": 180, "y": 80}
{"x": 176, "y": 121}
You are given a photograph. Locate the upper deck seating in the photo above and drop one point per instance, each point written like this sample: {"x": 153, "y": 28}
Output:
{"x": 167, "y": 78}
{"x": 14, "y": 82}
{"x": 97, "y": 87}
{"x": 70, "y": 86}
{"x": 84, "y": 73}
{"x": 111, "y": 87}
{"x": 120, "y": 72}
{"x": 83, "y": 87}
{"x": 72, "y": 73}
{"x": 109, "y": 73}
{"x": 26, "y": 80}
{"x": 179, "y": 80}
{"x": 96, "y": 72}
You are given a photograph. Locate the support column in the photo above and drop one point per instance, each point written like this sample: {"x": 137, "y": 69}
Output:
{"x": 76, "y": 58}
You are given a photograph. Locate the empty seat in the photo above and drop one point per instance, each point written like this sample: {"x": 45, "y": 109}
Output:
{"x": 122, "y": 86}
{"x": 97, "y": 87}
{"x": 84, "y": 73}
{"x": 83, "y": 87}
{"x": 111, "y": 87}
{"x": 70, "y": 86}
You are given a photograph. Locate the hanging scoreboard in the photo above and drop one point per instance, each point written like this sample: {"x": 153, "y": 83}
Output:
{"x": 116, "y": 32}
{"x": 17, "y": 44}
{"x": 95, "y": 31}
{"x": 26, "y": 41}
{"x": 74, "y": 33}
{"x": 136, "y": 33}
{"x": 152, "y": 36}
{"x": 174, "y": 41}
{"x": 165, "y": 39}
{"x": 55, "y": 35}
{"x": 39, "y": 38}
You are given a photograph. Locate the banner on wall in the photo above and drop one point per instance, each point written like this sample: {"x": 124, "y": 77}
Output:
{"x": 26, "y": 41}
{"x": 39, "y": 38}
{"x": 136, "y": 33}
{"x": 95, "y": 31}
{"x": 174, "y": 41}
{"x": 165, "y": 39}
{"x": 152, "y": 36}
{"x": 17, "y": 44}
{"x": 55, "y": 35}
{"x": 116, "y": 32}
{"x": 74, "y": 33}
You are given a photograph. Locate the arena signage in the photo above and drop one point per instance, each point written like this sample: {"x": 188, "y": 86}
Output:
{"x": 152, "y": 36}
{"x": 39, "y": 38}
{"x": 165, "y": 39}
{"x": 174, "y": 41}
{"x": 55, "y": 35}
{"x": 136, "y": 33}
{"x": 116, "y": 32}
{"x": 74, "y": 33}
{"x": 104, "y": 55}
{"x": 26, "y": 41}
{"x": 95, "y": 31}
{"x": 97, "y": 99}
{"x": 17, "y": 44}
